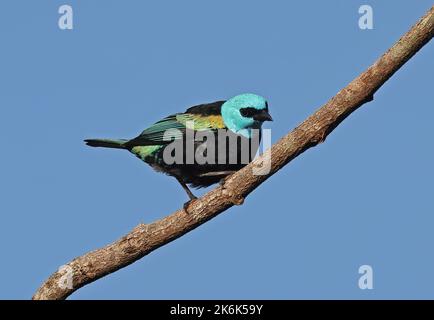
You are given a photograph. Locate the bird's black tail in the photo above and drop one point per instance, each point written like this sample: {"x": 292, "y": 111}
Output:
{"x": 107, "y": 143}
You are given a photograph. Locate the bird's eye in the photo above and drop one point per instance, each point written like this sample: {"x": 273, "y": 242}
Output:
{"x": 248, "y": 112}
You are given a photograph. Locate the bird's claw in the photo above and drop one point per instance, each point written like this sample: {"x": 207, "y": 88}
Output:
{"x": 187, "y": 204}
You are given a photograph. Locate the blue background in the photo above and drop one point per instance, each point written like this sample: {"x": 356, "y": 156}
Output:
{"x": 363, "y": 197}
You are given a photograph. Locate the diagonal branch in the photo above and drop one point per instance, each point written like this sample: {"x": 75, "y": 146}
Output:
{"x": 145, "y": 238}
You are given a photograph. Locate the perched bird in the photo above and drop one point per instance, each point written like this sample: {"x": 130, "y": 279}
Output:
{"x": 165, "y": 144}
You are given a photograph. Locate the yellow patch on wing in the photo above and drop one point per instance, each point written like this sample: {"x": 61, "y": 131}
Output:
{"x": 200, "y": 122}
{"x": 216, "y": 121}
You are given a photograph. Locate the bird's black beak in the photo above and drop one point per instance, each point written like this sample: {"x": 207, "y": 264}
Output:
{"x": 263, "y": 116}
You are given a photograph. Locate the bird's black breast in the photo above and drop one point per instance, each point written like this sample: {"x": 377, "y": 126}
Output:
{"x": 226, "y": 157}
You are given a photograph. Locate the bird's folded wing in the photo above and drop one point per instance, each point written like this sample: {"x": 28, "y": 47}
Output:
{"x": 174, "y": 127}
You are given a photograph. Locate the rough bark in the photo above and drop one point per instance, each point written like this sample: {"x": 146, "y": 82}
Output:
{"x": 145, "y": 238}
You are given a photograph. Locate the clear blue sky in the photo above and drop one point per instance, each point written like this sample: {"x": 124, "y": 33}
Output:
{"x": 363, "y": 197}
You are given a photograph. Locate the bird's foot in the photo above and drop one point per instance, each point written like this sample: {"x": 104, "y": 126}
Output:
{"x": 187, "y": 204}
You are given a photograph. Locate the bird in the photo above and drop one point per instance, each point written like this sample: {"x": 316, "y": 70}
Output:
{"x": 167, "y": 144}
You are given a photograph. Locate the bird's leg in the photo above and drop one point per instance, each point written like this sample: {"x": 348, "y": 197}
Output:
{"x": 190, "y": 194}
{"x": 184, "y": 186}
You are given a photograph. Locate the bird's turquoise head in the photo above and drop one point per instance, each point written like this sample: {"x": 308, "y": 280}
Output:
{"x": 245, "y": 112}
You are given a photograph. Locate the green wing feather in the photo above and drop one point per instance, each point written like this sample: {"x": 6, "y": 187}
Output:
{"x": 174, "y": 126}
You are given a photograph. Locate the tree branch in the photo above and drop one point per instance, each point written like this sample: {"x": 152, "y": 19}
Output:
{"x": 145, "y": 238}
